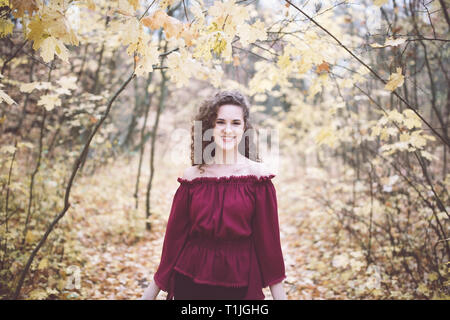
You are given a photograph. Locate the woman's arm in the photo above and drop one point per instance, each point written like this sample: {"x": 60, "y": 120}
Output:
{"x": 277, "y": 291}
{"x": 151, "y": 292}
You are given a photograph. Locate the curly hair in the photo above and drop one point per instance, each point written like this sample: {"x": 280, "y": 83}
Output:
{"x": 207, "y": 114}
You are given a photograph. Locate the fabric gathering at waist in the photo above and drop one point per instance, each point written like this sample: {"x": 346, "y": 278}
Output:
{"x": 215, "y": 261}
{"x": 210, "y": 242}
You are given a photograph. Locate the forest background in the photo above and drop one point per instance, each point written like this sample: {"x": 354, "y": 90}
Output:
{"x": 97, "y": 99}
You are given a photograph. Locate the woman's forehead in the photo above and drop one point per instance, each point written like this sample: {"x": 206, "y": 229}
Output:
{"x": 229, "y": 111}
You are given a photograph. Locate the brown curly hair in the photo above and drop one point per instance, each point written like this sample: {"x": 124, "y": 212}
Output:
{"x": 207, "y": 114}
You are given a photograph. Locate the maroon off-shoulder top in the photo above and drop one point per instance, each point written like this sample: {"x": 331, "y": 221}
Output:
{"x": 223, "y": 231}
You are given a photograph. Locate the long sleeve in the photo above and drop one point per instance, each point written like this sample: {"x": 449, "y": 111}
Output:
{"x": 267, "y": 234}
{"x": 175, "y": 237}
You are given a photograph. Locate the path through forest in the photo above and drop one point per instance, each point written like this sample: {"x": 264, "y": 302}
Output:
{"x": 121, "y": 258}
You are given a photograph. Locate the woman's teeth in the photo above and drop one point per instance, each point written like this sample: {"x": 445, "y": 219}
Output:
{"x": 227, "y": 139}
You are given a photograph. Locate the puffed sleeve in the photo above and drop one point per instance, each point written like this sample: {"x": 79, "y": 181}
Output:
{"x": 267, "y": 233}
{"x": 175, "y": 237}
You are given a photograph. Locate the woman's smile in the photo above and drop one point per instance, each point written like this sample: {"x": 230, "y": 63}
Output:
{"x": 227, "y": 139}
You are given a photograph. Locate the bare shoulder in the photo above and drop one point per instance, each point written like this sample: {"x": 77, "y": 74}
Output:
{"x": 191, "y": 173}
{"x": 260, "y": 169}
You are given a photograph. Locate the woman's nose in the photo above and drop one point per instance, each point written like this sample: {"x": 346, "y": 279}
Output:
{"x": 228, "y": 128}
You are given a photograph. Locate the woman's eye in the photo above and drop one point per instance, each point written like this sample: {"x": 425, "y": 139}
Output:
{"x": 235, "y": 123}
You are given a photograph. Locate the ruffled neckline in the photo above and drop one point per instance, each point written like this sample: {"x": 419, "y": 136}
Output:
{"x": 227, "y": 179}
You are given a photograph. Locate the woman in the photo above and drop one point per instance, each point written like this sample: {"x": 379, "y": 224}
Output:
{"x": 222, "y": 239}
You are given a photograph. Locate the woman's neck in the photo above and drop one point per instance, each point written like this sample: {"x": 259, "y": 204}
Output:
{"x": 228, "y": 158}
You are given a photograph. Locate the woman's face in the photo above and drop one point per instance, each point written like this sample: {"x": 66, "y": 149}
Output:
{"x": 229, "y": 126}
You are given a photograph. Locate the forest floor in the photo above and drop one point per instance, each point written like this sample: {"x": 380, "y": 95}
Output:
{"x": 118, "y": 257}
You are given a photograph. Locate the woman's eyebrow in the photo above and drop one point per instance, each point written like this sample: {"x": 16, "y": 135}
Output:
{"x": 233, "y": 119}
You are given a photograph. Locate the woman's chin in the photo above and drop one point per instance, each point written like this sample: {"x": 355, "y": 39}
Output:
{"x": 227, "y": 146}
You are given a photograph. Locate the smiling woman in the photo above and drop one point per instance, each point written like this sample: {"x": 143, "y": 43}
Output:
{"x": 222, "y": 239}
{"x": 225, "y": 117}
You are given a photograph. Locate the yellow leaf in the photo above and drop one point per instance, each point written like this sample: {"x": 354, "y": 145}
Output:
{"x": 433, "y": 276}
{"x": 327, "y": 136}
{"x": 284, "y": 61}
{"x": 389, "y": 42}
{"x": 340, "y": 261}
{"x": 156, "y": 20}
{"x": 49, "y": 101}
{"x": 5, "y": 97}
{"x": 422, "y": 288}
{"x": 417, "y": 140}
{"x": 51, "y": 23}
{"x": 68, "y": 83}
{"x": 29, "y": 238}
{"x": 6, "y": 27}
{"x": 25, "y": 145}
{"x": 38, "y": 294}
{"x": 379, "y": 3}
{"x": 90, "y": 4}
{"x": 8, "y": 149}
{"x": 188, "y": 35}
{"x": 36, "y": 28}
{"x": 51, "y": 46}
{"x": 43, "y": 264}
{"x": 28, "y": 87}
{"x": 172, "y": 27}
{"x": 250, "y": 33}
{"x": 134, "y": 3}
{"x": 428, "y": 155}
{"x": 394, "y": 42}
{"x": 395, "y": 80}
{"x": 395, "y": 116}
{"x": 48, "y": 48}
{"x": 411, "y": 120}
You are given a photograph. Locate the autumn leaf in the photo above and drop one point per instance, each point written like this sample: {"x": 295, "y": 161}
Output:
{"x": 324, "y": 66}
{"x": 43, "y": 264}
{"x": 134, "y": 3}
{"x": 156, "y": 20}
{"x": 411, "y": 120}
{"x": 379, "y": 3}
{"x": 395, "y": 80}
{"x": 6, "y": 27}
{"x": 188, "y": 35}
{"x": 172, "y": 27}
{"x": 389, "y": 42}
{"x": 20, "y": 6}
{"x": 30, "y": 237}
{"x": 236, "y": 61}
{"x": 327, "y": 136}
{"x": 51, "y": 46}
{"x": 50, "y": 31}
{"x": 49, "y": 101}
{"x": 67, "y": 84}
{"x": 251, "y": 33}
{"x": 38, "y": 294}
{"x": 25, "y": 145}
{"x": 36, "y": 27}
{"x": 284, "y": 61}
{"x": 5, "y": 97}
{"x": 8, "y": 149}
{"x": 90, "y": 4}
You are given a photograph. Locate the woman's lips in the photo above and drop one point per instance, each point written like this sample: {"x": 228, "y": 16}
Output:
{"x": 227, "y": 139}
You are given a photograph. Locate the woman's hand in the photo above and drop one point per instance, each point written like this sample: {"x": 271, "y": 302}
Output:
{"x": 151, "y": 292}
{"x": 277, "y": 291}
